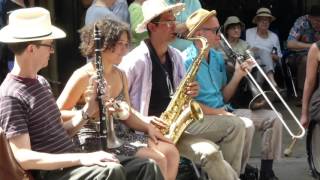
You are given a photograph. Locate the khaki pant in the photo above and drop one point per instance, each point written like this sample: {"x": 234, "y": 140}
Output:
{"x": 267, "y": 122}
{"x": 199, "y": 144}
{"x": 129, "y": 168}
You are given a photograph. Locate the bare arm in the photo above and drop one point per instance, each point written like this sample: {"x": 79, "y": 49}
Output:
{"x": 72, "y": 92}
{"x": 229, "y": 90}
{"x": 295, "y": 45}
{"x": 28, "y": 159}
{"x": 76, "y": 122}
{"x": 76, "y": 86}
{"x": 310, "y": 82}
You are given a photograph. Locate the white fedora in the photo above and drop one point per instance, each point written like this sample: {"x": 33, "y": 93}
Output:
{"x": 30, "y": 24}
{"x": 153, "y": 8}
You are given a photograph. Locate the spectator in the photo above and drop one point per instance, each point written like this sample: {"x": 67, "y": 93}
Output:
{"x": 191, "y": 6}
{"x": 262, "y": 42}
{"x": 136, "y": 17}
{"x": 304, "y": 32}
{"x": 115, "y": 9}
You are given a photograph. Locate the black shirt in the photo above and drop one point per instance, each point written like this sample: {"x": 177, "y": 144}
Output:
{"x": 162, "y": 83}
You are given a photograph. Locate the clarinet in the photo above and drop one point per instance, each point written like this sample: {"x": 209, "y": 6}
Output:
{"x": 101, "y": 87}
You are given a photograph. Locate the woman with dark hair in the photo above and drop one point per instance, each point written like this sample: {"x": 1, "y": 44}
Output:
{"x": 115, "y": 38}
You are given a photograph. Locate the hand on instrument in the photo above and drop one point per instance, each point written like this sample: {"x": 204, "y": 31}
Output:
{"x": 157, "y": 122}
{"x": 90, "y": 95}
{"x": 247, "y": 65}
{"x": 193, "y": 89}
{"x": 100, "y": 158}
{"x": 155, "y": 134}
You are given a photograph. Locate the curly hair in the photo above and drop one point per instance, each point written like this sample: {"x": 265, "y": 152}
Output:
{"x": 111, "y": 30}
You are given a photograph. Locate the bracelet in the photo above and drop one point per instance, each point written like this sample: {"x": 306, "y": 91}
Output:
{"x": 85, "y": 115}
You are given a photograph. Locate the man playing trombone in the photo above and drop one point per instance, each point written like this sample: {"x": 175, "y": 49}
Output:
{"x": 215, "y": 92}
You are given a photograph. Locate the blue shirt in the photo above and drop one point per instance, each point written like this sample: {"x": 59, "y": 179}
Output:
{"x": 95, "y": 13}
{"x": 191, "y": 6}
{"x": 211, "y": 76}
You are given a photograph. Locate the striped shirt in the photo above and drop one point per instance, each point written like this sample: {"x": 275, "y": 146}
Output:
{"x": 28, "y": 106}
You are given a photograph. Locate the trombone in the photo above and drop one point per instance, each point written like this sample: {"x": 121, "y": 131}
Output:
{"x": 239, "y": 58}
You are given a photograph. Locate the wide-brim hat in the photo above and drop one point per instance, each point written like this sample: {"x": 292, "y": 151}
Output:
{"x": 153, "y": 8}
{"x": 232, "y": 20}
{"x": 30, "y": 24}
{"x": 263, "y": 12}
{"x": 197, "y": 18}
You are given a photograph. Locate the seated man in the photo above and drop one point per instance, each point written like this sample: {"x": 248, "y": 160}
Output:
{"x": 264, "y": 44}
{"x": 303, "y": 33}
{"x": 215, "y": 92}
{"x": 38, "y": 138}
{"x": 154, "y": 70}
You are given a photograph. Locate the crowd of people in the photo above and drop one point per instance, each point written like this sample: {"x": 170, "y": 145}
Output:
{"x": 146, "y": 53}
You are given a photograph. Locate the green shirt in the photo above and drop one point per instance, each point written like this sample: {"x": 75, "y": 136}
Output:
{"x": 136, "y": 17}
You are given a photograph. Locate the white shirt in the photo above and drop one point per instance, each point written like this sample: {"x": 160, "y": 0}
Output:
{"x": 266, "y": 44}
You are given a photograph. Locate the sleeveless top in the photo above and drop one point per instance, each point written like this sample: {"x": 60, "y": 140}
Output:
{"x": 315, "y": 99}
{"x": 88, "y": 137}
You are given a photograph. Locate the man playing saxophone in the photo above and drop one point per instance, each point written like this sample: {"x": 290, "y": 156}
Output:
{"x": 154, "y": 70}
{"x": 215, "y": 92}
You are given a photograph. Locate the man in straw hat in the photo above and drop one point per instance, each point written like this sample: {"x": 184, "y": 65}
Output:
{"x": 31, "y": 119}
{"x": 154, "y": 69}
{"x": 215, "y": 92}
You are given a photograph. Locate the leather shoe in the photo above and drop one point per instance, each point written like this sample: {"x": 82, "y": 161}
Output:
{"x": 250, "y": 173}
{"x": 268, "y": 175}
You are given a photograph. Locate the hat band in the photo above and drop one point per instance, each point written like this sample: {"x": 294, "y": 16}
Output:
{"x": 33, "y": 36}
{"x": 264, "y": 12}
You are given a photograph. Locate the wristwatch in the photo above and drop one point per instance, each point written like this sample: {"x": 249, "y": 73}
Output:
{"x": 85, "y": 115}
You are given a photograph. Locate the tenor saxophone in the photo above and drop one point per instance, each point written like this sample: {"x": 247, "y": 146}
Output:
{"x": 176, "y": 116}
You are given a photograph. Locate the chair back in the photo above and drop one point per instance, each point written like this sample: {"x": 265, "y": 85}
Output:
{"x": 9, "y": 167}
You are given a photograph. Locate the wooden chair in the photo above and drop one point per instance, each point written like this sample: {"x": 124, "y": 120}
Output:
{"x": 9, "y": 167}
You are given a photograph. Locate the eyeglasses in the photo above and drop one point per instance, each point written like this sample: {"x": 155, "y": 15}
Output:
{"x": 215, "y": 30}
{"x": 51, "y": 46}
{"x": 167, "y": 23}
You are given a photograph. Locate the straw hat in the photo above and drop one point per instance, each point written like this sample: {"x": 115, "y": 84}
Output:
{"x": 263, "y": 12}
{"x": 232, "y": 20}
{"x": 153, "y": 8}
{"x": 196, "y": 19}
{"x": 30, "y": 24}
